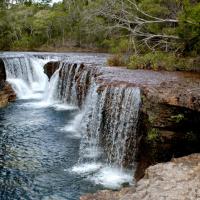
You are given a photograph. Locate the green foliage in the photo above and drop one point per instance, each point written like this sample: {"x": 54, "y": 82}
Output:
{"x": 189, "y": 28}
{"x": 28, "y": 25}
{"x": 153, "y": 135}
{"x": 178, "y": 118}
{"x": 162, "y": 61}
{"x": 151, "y": 119}
{"x": 116, "y": 60}
{"x": 191, "y": 136}
{"x": 118, "y": 45}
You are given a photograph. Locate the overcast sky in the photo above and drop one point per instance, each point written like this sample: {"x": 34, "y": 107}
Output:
{"x": 55, "y": 1}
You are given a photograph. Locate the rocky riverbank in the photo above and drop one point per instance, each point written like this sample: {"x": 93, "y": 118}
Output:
{"x": 6, "y": 92}
{"x": 178, "y": 179}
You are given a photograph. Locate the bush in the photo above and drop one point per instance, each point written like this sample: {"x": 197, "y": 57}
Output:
{"x": 163, "y": 61}
{"x": 116, "y": 60}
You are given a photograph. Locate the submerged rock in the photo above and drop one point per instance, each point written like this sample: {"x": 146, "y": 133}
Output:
{"x": 177, "y": 179}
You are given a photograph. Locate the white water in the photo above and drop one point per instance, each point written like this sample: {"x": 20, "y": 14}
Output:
{"x": 106, "y": 175}
{"x": 120, "y": 106}
{"x": 110, "y": 119}
{"x": 26, "y": 76}
{"x": 51, "y": 89}
{"x": 74, "y": 126}
{"x": 112, "y": 177}
{"x": 106, "y": 123}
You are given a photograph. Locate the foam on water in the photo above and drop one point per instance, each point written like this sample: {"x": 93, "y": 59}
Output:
{"x": 64, "y": 107}
{"x": 112, "y": 178}
{"x": 86, "y": 168}
{"x": 107, "y": 176}
{"x": 74, "y": 125}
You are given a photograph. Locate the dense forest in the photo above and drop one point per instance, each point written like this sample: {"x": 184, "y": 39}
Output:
{"x": 155, "y": 29}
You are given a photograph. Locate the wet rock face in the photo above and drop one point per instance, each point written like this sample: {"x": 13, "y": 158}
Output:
{"x": 178, "y": 179}
{"x": 74, "y": 83}
{"x": 169, "y": 114}
{"x": 7, "y": 95}
{"x": 2, "y": 74}
{"x": 166, "y": 131}
{"x": 50, "y": 68}
{"x": 6, "y": 92}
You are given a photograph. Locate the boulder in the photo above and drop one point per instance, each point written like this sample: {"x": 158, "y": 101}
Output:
{"x": 177, "y": 179}
{"x": 50, "y": 68}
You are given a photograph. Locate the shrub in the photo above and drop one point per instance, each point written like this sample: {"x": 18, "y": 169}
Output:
{"x": 116, "y": 60}
{"x": 117, "y": 45}
{"x": 163, "y": 61}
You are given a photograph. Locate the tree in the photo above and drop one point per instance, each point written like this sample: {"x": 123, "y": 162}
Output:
{"x": 189, "y": 28}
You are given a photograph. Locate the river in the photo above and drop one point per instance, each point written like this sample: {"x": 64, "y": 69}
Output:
{"x": 40, "y": 149}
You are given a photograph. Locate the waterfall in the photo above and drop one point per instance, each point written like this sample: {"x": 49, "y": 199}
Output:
{"x": 106, "y": 120}
{"x": 25, "y": 74}
{"x": 108, "y": 116}
{"x": 109, "y": 125}
{"x": 70, "y": 84}
{"x": 108, "y": 113}
{"x": 51, "y": 92}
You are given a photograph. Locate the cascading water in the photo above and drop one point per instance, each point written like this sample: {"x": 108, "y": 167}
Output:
{"x": 110, "y": 121}
{"x": 50, "y": 95}
{"x": 108, "y": 116}
{"x": 70, "y": 84}
{"x": 25, "y": 73}
{"x": 107, "y": 122}
{"x": 41, "y": 161}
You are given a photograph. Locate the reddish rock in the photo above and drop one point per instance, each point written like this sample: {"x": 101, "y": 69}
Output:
{"x": 50, "y": 68}
{"x": 7, "y": 94}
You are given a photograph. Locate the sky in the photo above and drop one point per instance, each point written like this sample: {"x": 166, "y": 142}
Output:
{"x": 55, "y": 1}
